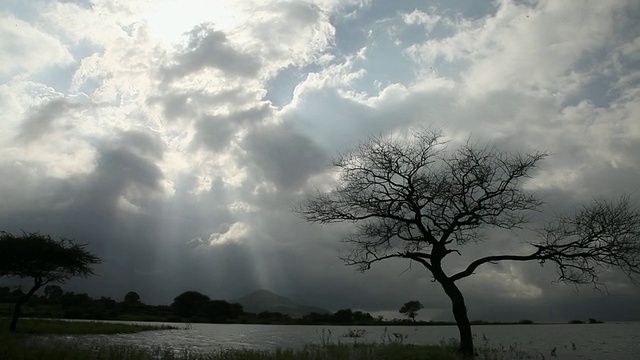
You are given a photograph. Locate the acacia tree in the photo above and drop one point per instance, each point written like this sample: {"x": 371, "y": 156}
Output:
{"x": 411, "y": 308}
{"x": 415, "y": 199}
{"x": 43, "y": 259}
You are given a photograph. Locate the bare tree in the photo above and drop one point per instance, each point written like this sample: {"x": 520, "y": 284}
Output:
{"x": 415, "y": 199}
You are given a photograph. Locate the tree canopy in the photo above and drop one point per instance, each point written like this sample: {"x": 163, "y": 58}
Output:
{"x": 411, "y": 308}
{"x": 190, "y": 303}
{"x": 43, "y": 259}
{"x": 414, "y": 198}
{"x": 132, "y": 298}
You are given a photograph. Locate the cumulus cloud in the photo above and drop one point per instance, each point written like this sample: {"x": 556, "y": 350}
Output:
{"x": 216, "y": 131}
{"x": 26, "y": 48}
{"x": 40, "y": 120}
{"x": 229, "y": 233}
{"x": 208, "y": 48}
{"x": 287, "y": 158}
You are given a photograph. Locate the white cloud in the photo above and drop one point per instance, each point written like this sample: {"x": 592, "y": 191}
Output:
{"x": 26, "y": 49}
{"x": 231, "y": 233}
{"x": 421, "y": 18}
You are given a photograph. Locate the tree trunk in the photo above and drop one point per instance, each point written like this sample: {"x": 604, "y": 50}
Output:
{"x": 460, "y": 315}
{"x": 23, "y": 300}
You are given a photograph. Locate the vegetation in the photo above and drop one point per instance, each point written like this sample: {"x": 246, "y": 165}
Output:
{"x": 415, "y": 199}
{"x": 589, "y": 321}
{"x": 411, "y": 308}
{"x": 42, "y": 259}
{"x": 70, "y": 305}
{"x": 189, "y": 306}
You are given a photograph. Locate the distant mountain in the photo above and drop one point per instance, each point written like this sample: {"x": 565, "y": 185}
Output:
{"x": 264, "y": 300}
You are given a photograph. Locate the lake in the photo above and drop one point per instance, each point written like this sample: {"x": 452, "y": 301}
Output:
{"x": 619, "y": 341}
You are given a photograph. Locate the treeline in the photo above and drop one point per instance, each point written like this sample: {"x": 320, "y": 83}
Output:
{"x": 190, "y": 306}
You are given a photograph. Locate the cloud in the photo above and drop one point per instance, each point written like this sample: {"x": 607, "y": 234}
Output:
{"x": 208, "y": 48}
{"x": 290, "y": 33}
{"x": 216, "y": 131}
{"x": 286, "y": 157}
{"x": 186, "y": 104}
{"x": 26, "y": 48}
{"x": 41, "y": 119}
{"x": 82, "y": 3}
{"x": 229, "y": 233}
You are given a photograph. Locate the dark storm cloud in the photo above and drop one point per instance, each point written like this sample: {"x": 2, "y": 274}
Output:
{"x": 215, "y": 131}
{"x": 209, "y": 48}
{"x": 187, "y": 104}
{"x": 127, "y": 167}
{"x": 148, "y": 248}
{"x": 86, "y": 205}
{"x": 142, "y": 144}
{"x": 286, "y": 157}
{"x": 120, "y": 166}
{"x": 40, "y": 120}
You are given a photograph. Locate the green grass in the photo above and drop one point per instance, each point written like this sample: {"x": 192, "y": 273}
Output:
{"x": 64, "y": 327}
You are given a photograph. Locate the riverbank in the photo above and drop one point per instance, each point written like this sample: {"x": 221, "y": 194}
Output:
{"x": 44, "y": 339}
{"x": 265, "y": 342}
{"x": 36, "y": 339}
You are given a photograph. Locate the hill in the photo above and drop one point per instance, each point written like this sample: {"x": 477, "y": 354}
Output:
{"x": 265, "y": 300}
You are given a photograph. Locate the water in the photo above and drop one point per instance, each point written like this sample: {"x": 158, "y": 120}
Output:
{"x": 580, "y": 341}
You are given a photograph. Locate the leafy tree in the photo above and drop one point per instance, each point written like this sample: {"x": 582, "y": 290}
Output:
{"x": 132, "y": 298}
{"x": 362, "y": 317}
{"x": 43, "y": 259}
{"x": 316, "y": 318}
{"x": 343, "y": 316}
{"x": 221, "y": 310}
{"x": 53, "y": 292}
{"x": 73, "y": 300}
{"x": 415, "y": 199}
{"x": 190, "y": 303}
{"x": 411, "y": 308}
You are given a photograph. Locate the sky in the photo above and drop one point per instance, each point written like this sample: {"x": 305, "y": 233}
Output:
{"x": 173, "y": 137}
